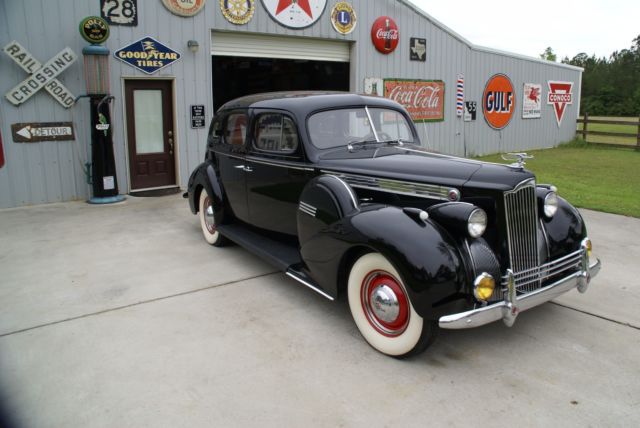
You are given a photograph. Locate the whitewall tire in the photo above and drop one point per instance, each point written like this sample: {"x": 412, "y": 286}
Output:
{"x": 208, "y": 222}
{"x": 382, "y": 311}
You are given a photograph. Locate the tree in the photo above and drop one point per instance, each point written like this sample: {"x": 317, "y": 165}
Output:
{"x": 549, "y": 55}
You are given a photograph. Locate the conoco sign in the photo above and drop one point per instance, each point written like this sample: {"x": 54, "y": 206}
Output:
{"x": 384, "y": 34}
{"x": 423, "y": 99}
{"x": 498, "y": 101}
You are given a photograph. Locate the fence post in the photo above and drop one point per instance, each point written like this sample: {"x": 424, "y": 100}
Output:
{"x": 638, "y": 137}
{"x": 584, "y": 126}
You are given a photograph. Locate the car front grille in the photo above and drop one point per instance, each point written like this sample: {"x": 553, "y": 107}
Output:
{"x": 521, "y": 216}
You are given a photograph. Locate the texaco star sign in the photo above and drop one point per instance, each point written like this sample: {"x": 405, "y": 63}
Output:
{"x": 41, "y": 76}
{"x": 295, "y": 13}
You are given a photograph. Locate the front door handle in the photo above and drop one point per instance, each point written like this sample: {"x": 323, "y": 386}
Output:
{"x": 248, "y": 169}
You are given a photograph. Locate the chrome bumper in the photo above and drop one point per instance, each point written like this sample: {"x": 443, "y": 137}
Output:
{"x": 509, "y": 309}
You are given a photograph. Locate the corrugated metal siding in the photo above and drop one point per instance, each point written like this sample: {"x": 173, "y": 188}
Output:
{"x": 51, "y": 171}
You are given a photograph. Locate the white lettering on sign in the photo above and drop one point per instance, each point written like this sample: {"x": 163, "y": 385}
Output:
{"x": 41, "y": 76}
{"x": 425, "y": 96}
{"x": 48, "y": 131}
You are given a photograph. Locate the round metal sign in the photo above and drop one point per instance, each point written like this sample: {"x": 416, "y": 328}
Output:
{"x": 295, "y": 14}
{"x": 343, "y": 17}
{"x": 94, "y": 29}
{"x": 184, "y": 7}
{"x": 237, "y": 12}
{"x": 498, "y": 101}
{"x": 384, "y": 34}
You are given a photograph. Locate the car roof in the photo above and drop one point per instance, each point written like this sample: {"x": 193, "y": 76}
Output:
{"x": 306, "y": 101}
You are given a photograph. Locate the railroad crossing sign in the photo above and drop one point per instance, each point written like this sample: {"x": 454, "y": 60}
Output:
{"x": 41, "y": 76}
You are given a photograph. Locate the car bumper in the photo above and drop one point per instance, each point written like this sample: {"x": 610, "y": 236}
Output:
{"x": 509, "y": 309}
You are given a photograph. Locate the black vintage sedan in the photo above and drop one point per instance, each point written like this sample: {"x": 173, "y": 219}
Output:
{"x": 336, "y": 191}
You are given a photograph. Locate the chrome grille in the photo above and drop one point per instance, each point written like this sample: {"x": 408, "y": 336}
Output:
{"x": 525, "y": 279}
{"x": 521, "y": 218}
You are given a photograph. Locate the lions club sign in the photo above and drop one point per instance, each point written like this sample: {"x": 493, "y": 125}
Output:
{"x": 559, "y": 97}
{"x": 147, "y": 55}
{"x": 295, "y": 14}
{"x": 498, "y": 101}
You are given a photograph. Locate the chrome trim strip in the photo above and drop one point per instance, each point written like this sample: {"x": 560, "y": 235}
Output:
{"x": 353, "y": 196}
{"x": 277, "y": 164}
{"x": 496, "y": 311}
{"x": 409, "y": 188}
{"x": 313, "y": 287}
{"x": 307, "y": 209}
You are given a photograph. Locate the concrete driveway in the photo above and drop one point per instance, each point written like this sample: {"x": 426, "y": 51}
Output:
{"x": 122, "y": 316}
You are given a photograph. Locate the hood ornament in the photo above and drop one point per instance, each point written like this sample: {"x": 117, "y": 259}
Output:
{"x": 519, "y": 159}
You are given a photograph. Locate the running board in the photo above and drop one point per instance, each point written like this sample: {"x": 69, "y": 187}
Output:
{"x": 285, "y": 257}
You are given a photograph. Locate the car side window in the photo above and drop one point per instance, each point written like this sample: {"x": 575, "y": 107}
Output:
{"x": 215, "y": 130}
{"x": 235, "y": 130}
{"x": 275, "y": 133}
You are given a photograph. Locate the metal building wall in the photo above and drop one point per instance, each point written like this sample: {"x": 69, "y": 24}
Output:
{"x": 51, "y": 171}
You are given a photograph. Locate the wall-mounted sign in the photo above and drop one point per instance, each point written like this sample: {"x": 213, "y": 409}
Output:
{"x": 423, "y": 99}
{"x": 147, "y": 55}
{"x": 498, "y": 101}
{"x": 295, "y": 14}
{"x": 418, "y": 49}
{"x": 343, "y": 17}
{"x": 184, "y": 7}
{"x": 237, "y": 12}
{"x": 120, "y": 12}
{"x": 44, "y": 131}
{"x": 40, "y": 76}
{"x": 470, "y": 108}
{"x": 374, "y": 86}
{"x": 197, "y": 116}
{"x": 560, "y": 95}
{"x": 532, "y": 101}
{"x": 459, "y": 95}
{"x": 94, "y": 29}
{"x": 385, "y": 35}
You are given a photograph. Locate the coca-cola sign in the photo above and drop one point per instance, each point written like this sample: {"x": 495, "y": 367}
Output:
{"x": 384, "y": 34}
{"x": 423, "y": 99}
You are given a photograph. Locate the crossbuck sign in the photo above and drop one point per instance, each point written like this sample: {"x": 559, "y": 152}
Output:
{"x": 41, "y": 76}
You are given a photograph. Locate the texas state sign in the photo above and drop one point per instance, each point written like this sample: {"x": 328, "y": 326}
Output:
{"x": 295, "y": 14}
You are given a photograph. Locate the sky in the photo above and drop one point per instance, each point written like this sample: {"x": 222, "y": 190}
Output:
{"x": 569, "y": 27}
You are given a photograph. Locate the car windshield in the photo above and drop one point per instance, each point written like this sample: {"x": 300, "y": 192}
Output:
{"x": 344, "y": 127}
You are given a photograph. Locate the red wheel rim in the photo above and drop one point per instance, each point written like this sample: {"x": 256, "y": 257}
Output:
{"x": 385, "y": 303}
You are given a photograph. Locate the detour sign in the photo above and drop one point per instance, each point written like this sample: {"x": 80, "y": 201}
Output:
{"x": 498, "y": 101}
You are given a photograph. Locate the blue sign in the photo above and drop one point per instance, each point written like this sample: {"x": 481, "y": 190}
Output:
{"x": 147, "y": 55}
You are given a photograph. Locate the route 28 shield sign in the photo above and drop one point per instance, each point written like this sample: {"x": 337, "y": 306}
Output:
{"x": 295, "y": 14}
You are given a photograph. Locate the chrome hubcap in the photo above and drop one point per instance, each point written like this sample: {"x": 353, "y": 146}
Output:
{"x": 209, "y": 218}
{"x": 384, "y": 303}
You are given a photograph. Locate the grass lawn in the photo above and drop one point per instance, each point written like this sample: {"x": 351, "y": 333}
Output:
{"x": 598, "y": 178}
{"x": 627, "y": 129}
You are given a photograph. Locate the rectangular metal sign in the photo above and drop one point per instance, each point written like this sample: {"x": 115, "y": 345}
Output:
{"x": 197, "y": 116}
{"x": 120, "y": 12}
{"x": 532, "y": 101}
{"x": 43, "y": 131}
{"x": 424, "y": 99}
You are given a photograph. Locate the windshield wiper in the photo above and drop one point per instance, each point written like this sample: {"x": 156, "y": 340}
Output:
{"x": 363, "y": 144}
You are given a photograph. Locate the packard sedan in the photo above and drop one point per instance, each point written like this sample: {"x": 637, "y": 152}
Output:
{"x": 335, "y": 190}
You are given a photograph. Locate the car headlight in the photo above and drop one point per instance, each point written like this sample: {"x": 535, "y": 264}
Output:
{"x": 477, "y": 223}
{"x": 550, "y": 204}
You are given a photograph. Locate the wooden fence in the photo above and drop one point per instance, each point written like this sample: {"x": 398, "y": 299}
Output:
{"x": 585, "y": 130}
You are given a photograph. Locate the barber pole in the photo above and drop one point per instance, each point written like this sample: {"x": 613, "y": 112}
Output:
{"x": 460, "y": 95}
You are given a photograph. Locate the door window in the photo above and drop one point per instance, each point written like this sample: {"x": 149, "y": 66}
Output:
{"x": 147, "y": 110}
{"x": 235, "y": 132}
{"x": 275, "y": 133}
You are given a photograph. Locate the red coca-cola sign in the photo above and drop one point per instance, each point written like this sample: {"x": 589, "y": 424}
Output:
{"x": 423, "y": 99}
{"x": 384, "y": 34}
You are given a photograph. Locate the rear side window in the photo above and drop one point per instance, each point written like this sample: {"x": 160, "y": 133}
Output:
{"x": 275, "y": 133}
{"x": 215, "y": 130}
{"x": 235, "y": 130}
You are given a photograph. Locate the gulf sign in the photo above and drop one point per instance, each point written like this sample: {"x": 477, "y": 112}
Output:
{"x": 498, "y": 101}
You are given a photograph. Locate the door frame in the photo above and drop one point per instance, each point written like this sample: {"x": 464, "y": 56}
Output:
{"x": 176, "y": 139}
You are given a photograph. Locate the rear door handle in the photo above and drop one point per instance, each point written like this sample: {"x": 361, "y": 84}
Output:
{"x": 239, "y": 167}
{"x": 248, "y": 169}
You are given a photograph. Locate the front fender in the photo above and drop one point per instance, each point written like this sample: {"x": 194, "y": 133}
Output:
{"x": 205, "y": 177}
{"x": 564, "y": 231}
{"x": 424, "y": 254}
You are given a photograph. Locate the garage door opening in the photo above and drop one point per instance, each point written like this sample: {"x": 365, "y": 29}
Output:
{"x": 235, "y": 76}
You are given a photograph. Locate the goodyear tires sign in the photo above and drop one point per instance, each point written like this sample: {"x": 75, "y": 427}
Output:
{"x": 147, "y": 55}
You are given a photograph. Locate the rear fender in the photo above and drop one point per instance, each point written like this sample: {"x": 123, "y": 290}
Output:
{"x": 205, "y": 177}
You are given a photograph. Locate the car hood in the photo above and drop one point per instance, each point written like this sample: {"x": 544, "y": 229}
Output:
{"x": 425, "y": 167}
